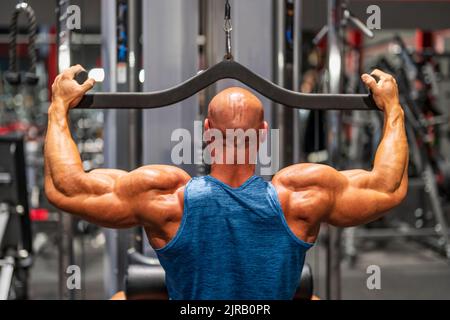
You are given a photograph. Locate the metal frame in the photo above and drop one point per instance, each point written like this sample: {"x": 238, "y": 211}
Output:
{"x": 111, "y": 133}
{"x": 135, "y": 116}
{"x": 279, "y": 74}
{"x": 6, "y": 275}
{"x": 296, "y": 78}
{"x": 15, "y": 229}
{"x": 4, "y": 217}
{"x": 396, "y": 232}
{"x": 419, "y": 157}
{"x": 65, "y": 244}
{"x": 335, "y": 66}
{"x": 7, "y": 263}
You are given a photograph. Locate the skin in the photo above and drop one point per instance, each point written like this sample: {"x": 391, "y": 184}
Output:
{"x": 152, "y": 196}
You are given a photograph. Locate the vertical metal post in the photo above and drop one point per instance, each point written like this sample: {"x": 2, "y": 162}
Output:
{"x": 6, "y": 277}
{"x": 279, "y": 73}
{"x": 135, "y": 116}
{"x": 65, "y": 243}
{"x": 7, "y": 263}
{"x": 133, "y": 45}
{"x": 335, "y": 73}
{"x": 297, "y": 75}
{"x": 109, "y": 63}
{"x": 126, "y": 121}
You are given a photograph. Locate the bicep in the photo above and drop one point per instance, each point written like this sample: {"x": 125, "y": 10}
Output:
{"x": 119, "y": 199}
{"x": 96, "y": 199}
{"x": 348, "y": 198}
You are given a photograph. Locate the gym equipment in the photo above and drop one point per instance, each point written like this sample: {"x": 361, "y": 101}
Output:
{"x": 429, "y": 170}
{"x": 66, "y": 255}
{"x": 13, "y": 76}
{"x": 145, "y": 279}
{"x": 347, "y": 18}
{"x": 338, "y": 19}
{"x": 15, "y": 229}
{"x": 227, "y": 69}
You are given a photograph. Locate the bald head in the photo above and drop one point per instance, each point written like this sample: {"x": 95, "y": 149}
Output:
{"x": 235, "y": 108}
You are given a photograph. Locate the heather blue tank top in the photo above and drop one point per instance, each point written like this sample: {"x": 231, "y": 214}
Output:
{"x": 232, "y": 244}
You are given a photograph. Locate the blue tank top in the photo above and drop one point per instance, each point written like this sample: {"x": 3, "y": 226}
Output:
{"x": 232, "y": 244}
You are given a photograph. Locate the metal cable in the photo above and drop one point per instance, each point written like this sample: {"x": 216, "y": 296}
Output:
{"x": 228, "y": 28}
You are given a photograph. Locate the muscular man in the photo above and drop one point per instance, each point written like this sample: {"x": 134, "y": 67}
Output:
{"x": 228, "y": 235}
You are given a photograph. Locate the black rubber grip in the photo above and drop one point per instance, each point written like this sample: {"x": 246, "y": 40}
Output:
{"x": 81, "y": 77}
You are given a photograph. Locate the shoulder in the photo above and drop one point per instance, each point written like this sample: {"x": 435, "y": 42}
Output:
{"x": 304, "y": 192}
{"x": 303, "y": 175}
{"x": 161, "y": 193}
{"x": 162, "y": 177}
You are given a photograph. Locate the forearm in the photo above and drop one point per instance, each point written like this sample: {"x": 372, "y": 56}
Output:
{"x": 63, "y": 162}
{"x": 391, "y": 159}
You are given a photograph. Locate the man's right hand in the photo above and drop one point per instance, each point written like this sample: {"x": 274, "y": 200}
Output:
{"x": 385, "y": 91}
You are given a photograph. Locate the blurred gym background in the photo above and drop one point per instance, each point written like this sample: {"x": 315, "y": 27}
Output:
{"x": 172, "y": 40}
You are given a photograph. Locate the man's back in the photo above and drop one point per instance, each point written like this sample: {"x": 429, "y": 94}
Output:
{"x": 232, "y": 243}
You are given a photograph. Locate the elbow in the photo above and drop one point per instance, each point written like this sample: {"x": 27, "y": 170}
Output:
{"x": 392, "y": 191}
{"x": 401, "y": 193}
{"x": 388, "y": 182}
{"x": 54, "y": 196}
{"x": 69, "y": 185}
{"x": 51, "y": 193}
{"x": 402, "y": 190}
{"x": 397, "y": 196}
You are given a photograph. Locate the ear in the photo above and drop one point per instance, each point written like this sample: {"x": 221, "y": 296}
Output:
{"x": 263, "y": 131}
{"x": 207, "y": 131}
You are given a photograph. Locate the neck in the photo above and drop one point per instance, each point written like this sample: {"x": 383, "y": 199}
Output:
{"x": 233, "y": 175}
